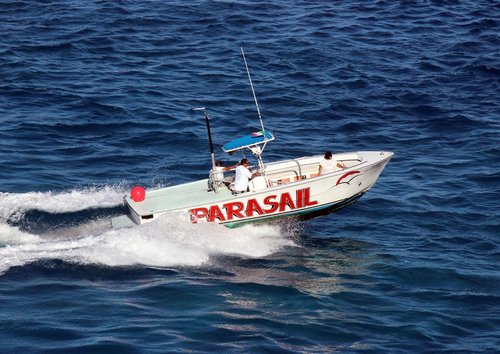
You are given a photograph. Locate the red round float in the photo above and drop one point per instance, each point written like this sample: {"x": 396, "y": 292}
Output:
{"x": 138, "y": 194}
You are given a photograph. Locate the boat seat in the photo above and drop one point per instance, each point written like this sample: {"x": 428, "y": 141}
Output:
{"x": 217, "y": 184}
{"x": 258, "y": 183}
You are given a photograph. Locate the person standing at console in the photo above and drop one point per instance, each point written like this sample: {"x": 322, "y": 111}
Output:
{"x": 243, "y": 175}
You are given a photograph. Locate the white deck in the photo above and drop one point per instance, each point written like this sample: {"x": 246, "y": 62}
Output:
{"x": 179, "y": 197}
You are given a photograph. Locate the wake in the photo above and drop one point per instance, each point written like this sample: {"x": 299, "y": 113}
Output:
{"x": 75, "y": 227}
{"x": 13, "y": 206}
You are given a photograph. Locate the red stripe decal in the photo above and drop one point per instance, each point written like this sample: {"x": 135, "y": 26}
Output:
{"x": 345, "y": 175}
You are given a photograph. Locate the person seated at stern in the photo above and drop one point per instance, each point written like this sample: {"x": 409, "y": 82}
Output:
{"x": 217, "y": 174}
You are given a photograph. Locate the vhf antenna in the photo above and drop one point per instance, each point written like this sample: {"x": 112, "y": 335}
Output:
{"x": 254, "y": 96}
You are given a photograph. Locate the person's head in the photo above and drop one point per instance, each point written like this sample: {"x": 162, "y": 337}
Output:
{"x": 244, "y": 162}
{"x": 218, "y": 163}
{"x": 328, "y": 155}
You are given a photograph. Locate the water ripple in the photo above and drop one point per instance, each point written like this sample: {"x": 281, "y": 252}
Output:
{"x": 96, "y": 97}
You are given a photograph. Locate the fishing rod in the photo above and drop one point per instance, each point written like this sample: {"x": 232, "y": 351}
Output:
{"x": 254, "y": 96}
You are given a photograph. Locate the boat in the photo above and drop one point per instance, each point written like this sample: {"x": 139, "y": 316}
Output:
{"x": 290, "y": 188}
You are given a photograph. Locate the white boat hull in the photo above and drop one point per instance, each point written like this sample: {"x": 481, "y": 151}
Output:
{"x": 288, "y": 188}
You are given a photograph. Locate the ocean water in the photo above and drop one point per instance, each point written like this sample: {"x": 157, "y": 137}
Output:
{"x": 96, "y": 97}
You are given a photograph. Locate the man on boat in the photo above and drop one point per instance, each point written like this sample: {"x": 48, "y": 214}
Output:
{"x": 217, "y": 175}
{"x": 328, "y": 164}
{"x": 243, "y": 175}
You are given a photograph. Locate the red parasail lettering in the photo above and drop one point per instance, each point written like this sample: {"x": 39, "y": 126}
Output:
{"x": 307, "y": 198}
{"x": 215, "y": 213}
{"x": 198, "y": 213}
{"x": 286, "y": 200}
{"x": 253, "y": 205}
{"x": 234, "y": 210}
{"x": 270, "y": 201}
{"x": 300, "y": 198}
{"x": 239, "y": 210}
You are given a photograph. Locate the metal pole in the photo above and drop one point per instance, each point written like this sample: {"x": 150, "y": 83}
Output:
{"x": 212, "y": 154}
{"x": 254, "y": 95}
{"x": 207, "y": 121}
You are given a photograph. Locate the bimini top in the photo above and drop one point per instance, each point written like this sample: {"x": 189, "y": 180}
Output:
{"x": 248, "y": 141}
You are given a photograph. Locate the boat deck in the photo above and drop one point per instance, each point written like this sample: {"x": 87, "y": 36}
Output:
{"x": 178, "y": 197}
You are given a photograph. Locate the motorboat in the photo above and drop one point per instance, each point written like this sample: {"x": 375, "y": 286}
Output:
{"x": 288, "y": 188}
{"x": 291, "y": 188}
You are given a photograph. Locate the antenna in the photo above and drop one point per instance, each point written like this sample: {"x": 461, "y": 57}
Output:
{"x": 254, "y": 96}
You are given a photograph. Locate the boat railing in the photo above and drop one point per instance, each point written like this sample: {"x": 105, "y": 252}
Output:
{"x": 303, "y": 168}
{"x": 279, "y": 173}
{"x": 291, "y": 171}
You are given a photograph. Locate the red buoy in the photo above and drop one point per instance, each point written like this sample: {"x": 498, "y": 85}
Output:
{"x": 137, "y": 194}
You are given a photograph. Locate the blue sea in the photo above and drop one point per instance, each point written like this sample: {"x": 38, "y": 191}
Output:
{"x": 96, "y": 97}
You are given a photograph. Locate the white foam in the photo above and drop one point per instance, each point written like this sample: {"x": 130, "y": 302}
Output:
{"x": 13, "y": 205}
{"x": 169, "y": 241}
{"x": 12, "y": 236}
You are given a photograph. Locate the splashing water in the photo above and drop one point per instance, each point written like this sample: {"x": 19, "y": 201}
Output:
{"x": 14, "y": 205}
{"x": 168, "y": 241}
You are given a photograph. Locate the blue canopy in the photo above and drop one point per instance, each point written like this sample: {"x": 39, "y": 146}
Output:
{"x": 248, "y": 141}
